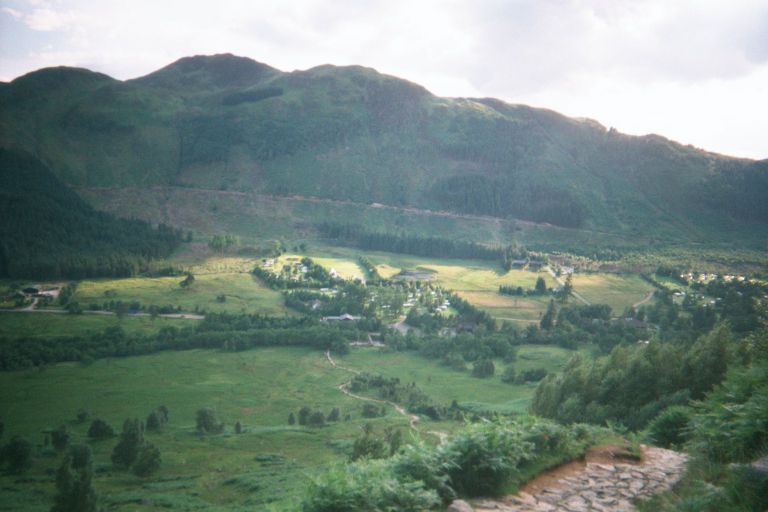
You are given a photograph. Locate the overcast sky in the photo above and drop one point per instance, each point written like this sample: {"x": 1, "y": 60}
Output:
{"x": 695, "y": 71}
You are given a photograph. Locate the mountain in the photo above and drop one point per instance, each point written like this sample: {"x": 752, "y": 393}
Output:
{"x": 48, "y": 231}
{"x": 352, "y": 134}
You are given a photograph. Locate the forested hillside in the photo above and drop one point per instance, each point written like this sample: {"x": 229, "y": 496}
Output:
{"x": 47, "y": 231}
{"x": 350, "y": 133}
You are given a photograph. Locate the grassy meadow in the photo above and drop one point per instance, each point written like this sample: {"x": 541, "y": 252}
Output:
{"x": 242, "y": 292}
{"x": 23, "y": 325}
{"x": 264, "y": 468}
{"x": 618, "y": 291}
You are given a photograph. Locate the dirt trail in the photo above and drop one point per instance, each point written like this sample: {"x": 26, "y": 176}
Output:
{"x": 562, "y": 283}
{"x": 603, "y": 481}
{"x": 413, "y": 419}
{"x": 648, "y": 296}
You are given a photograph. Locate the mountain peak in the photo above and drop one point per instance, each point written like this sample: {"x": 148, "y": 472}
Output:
{"x": 220, "y": 70}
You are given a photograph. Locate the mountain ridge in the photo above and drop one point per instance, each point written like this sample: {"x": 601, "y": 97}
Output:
{"x": 348, "y": 132}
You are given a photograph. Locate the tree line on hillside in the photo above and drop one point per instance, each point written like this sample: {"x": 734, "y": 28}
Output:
{"x": 684, "y": 357}
{"x": 357, "y": 236}
{"x": 499, "y": 196}
{"x": 217, "y": 331}
{"x": 47, "y": 231}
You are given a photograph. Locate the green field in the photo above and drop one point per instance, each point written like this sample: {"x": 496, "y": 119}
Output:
{"x": 243, "y": 292}
{"x": 20, "y": 325}
{"x": 445, "y": 385}
{"x": 266, "y": 467}
{"x": 618, "y": 291}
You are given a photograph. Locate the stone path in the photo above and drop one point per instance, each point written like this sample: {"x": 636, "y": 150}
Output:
{"x": 599, "y": 487}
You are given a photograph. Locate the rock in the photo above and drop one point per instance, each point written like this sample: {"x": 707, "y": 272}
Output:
{"x": 761, "y": 465}
{"x": 459, "y": 506}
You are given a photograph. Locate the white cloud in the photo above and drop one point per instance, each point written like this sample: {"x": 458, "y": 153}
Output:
{"x": 13, "y": 12}
{"x": 49, "y": 20}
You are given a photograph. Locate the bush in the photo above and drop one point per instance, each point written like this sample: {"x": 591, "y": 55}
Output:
{"x": 367, "y": 486}
{"x": 483, "y": 369}
{"x": 316, "y": 419}
{"x": 17, "y": 454}
{"x": 509, "y": 375}
{"x": 668, "y": 429}
{"x": 534, "y": 375}
{"x": 731, "y": 424}
{"x": 60, "y": 438}
{"x": 207, "y": 423}
{"x": 100, "y": 429}
{"x": 148, "y": 460}
{"x": 484, "y": 457}
{"x": 371, "y": 411}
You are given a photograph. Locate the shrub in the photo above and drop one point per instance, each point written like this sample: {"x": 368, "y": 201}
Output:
{"x": 668, "y": 429}
{"x": 100, "y": 429}
{"x": 148, "y": 460}
{"x": 60, "y": 438}
{"x": 731, "y": 423}
{"x": 17, "y": 454}
{"x": 371, "y": 411}
{"x": 483, "y": 368}
{"x": 207, "y": 423}
{"x": 484, "y": 457}
{"x": 367, "y": 486}
{"x": 316, "y": 419}
{"x": 509, "y": 375}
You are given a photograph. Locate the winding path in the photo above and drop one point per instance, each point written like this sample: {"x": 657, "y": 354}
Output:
{"x": 413, "y": 419}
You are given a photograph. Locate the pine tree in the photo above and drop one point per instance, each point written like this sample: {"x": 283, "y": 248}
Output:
{"x": 73, "y": 482}
{"x": 131, "y": 440}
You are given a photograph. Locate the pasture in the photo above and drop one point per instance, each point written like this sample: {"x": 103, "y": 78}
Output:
{"x": 618, "y": 291}
{"x": 269, "y": 464}
{"x": 241, "y": 291}
{"x": 43, "y": 325}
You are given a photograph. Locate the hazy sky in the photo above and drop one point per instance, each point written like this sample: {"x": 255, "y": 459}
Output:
{"x": 693, "y": 70}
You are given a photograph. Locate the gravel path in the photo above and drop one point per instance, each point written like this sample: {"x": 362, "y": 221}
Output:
{"x": 600, "y": 487}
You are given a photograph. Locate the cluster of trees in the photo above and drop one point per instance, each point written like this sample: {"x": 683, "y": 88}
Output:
{"x": 224, "y": 242}
{"x": 217, "y": 331}
{"x": 539, "y": 289}
{"x": 409, "y": 396}
{"x": 358, "y": 236}
{"x": 635, "y": 383}
{"x": 372, "y": 273}
{"x": 315, "y": 276}
{"x": 350, "y": 298}
{"x": 47, "y": 231}
{"x": 499, "y": 196}
{"x": 370, "y": 446}
{"x": 134, "y": 452}
{"x": 314, "y": 418}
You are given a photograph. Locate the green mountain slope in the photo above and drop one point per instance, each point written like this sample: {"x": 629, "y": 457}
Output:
{"x": 47, "y": 230}
{"x": 349, "y": 133}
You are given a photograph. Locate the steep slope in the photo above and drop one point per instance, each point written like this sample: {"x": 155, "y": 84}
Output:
{"x": 349, "y": 133}
{"x": 48, "y": 231}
